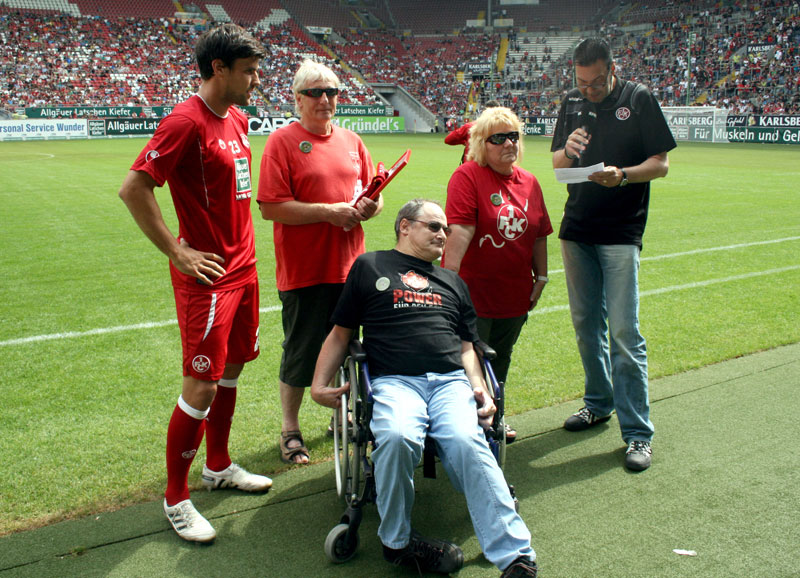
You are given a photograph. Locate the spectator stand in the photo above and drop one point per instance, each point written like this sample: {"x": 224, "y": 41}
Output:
{"x": 103, "y": 52}
{"x": 743, "y": 59}
{"x": 531, "y": 75}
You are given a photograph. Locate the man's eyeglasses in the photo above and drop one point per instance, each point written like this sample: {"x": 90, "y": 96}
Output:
{"x": 500, "y": 137}
{"x": 433, "y": 226}
{"x": 597, "y": 84}
{"x": 317, "y": 92}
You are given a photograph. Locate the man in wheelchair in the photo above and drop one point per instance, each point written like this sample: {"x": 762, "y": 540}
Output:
{"x": 418, "y": 326}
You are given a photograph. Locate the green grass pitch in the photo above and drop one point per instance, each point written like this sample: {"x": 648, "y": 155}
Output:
{"x": 91, "y": 354}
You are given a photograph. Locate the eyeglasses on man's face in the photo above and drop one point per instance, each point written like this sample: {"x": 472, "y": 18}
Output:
{"x": 500, "y": 137}
{"x": 598, "y": 83}
{"x": 433, "y": 226}
{"x": 317, "y": 92}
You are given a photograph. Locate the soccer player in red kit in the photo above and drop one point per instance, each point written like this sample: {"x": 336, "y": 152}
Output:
{"x": 201, "y": 150}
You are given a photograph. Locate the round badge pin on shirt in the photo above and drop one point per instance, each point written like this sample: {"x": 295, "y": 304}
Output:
{"x": 382, "y": 284}
{"x": 497, "y": 199}
{"x": 306, "y": 146}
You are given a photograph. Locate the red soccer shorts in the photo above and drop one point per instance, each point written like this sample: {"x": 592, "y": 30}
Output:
{"x": 217, "y": 328}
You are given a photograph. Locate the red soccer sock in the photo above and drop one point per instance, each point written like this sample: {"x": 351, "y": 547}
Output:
{"x": 218, "y": 427}
{"x": 184, "y": 435}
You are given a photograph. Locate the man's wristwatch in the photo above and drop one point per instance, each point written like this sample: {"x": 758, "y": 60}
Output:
{"x": 624, "y": 180}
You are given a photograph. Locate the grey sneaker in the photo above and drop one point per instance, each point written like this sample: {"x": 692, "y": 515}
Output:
{"x": 235, "y": 476}
{"x": 638, "y": 456}
{"x": 427, "y": 555}
{"x": 188, "y": 522}
{"x": 584, "y": 419}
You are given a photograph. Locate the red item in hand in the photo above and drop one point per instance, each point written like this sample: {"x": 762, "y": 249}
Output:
{"x": 382, "y": 178}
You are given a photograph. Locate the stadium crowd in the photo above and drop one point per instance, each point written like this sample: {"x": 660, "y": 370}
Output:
{"x": 426, "y": 67}
{"x": 51, "y": 59}
{"x": 743, "y": 57}
{"x": 288, "y": 45}
{"x": 55, "y": 59}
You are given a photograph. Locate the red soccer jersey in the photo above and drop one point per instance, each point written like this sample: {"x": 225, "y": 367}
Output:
{"x": 460, "y": 136}
{"x": 301, "y": 166}
{"x": 509, "y": 214}
{"x": 205, "y": 159}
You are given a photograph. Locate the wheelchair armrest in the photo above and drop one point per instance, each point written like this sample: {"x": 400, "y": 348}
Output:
{"x": 357, "y": 351}
{"x": 484, "y": 350}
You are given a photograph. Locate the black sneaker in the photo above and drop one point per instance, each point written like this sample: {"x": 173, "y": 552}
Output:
{"x": 584, "y": 419}
{"x": 520, "y": 568}
{"x": 638, "y": 456}
{"x": 426, "y": 555}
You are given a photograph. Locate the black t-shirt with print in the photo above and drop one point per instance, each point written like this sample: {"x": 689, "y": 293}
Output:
{"x": 413, "y": 314}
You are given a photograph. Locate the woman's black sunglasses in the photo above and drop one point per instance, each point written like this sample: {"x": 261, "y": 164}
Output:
{"x": 317, "y": 92}
{"x": 500, "y": 137}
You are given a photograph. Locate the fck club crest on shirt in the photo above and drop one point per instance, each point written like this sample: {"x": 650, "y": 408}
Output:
{"x": 512, "y": 222}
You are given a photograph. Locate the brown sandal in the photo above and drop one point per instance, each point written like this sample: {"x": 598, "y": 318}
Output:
{"x": 288, "y": 454}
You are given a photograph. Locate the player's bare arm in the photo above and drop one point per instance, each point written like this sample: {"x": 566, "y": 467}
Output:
{"x": 138, "y": 194}
{"x": 330, "y": 358}
{"x": 300, "y": 213}
{"x": 539, "y": 269}
{"x": 472, "y": 367}
{"x": 457, "y": 243}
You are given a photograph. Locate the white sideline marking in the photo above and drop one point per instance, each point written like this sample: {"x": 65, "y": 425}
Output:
{"x": 47, "y": 155}
{"x": 540, "y": 311}
{"x": 694, "y": 285}
{"x": 105, "y": 330}
{"x": 725, "y": 248}
{"x": 707, "y": 250}
{"x": 716, "y": 281}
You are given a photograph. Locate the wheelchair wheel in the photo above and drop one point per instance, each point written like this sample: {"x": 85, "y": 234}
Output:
{"x": 501, "y": 450}
{"x": 338, "y": 548}
{"x": 353, "y": 452}
{"x": 341, "y": 440}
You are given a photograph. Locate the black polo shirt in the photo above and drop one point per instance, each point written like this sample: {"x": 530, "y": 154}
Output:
{"x": 630, "y": 128}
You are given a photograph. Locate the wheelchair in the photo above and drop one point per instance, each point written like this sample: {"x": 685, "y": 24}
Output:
{"x": 353, "y": 441}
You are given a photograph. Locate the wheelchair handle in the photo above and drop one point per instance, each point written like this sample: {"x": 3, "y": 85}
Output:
{"x": 484, "y": 350}
{"x": 357, "y": 351}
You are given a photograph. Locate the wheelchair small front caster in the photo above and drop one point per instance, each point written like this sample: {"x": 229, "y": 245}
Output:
{"x": 337, "y": 546}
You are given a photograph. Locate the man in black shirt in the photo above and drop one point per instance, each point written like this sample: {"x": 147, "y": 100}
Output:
{"x": 418, "y": 327}
{"x": 619, "y": 123}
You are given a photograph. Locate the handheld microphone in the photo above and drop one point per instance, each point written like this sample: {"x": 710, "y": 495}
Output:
{"x": 587, "y": 116}
{"x": 587, "y": 119}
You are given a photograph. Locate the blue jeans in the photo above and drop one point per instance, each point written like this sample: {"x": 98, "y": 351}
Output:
{"x": 405, "y": 410}
{"x": 603, "y": 288}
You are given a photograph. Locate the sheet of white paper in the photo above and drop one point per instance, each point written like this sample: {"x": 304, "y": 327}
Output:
{"x": 577, "y": 175}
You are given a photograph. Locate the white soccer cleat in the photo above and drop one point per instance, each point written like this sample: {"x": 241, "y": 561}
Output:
{"x": 235, "y": 476}
{"x": 188, "y": 522}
